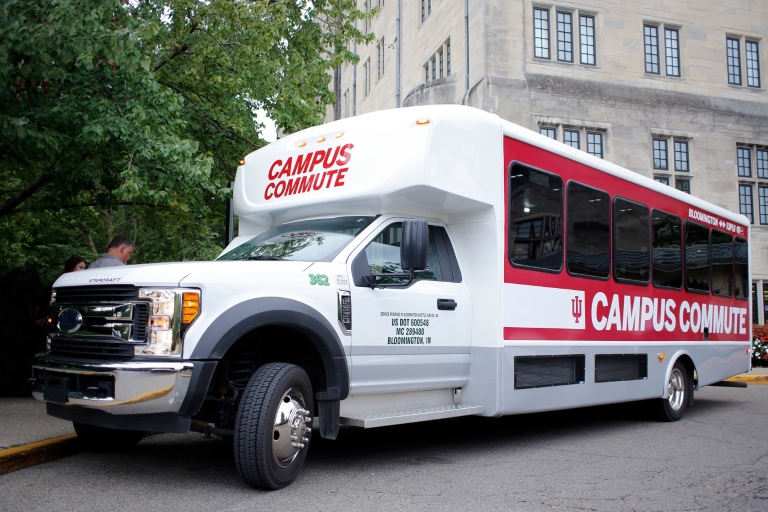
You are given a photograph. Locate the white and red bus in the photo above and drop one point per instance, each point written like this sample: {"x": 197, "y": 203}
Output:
{"x": 401, "y": 266}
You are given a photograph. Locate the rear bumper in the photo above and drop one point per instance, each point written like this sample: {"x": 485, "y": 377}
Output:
{"x": 123, "y": 388}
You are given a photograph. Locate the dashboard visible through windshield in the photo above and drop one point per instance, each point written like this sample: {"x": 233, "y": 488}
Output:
{"x": 305, "y": 240}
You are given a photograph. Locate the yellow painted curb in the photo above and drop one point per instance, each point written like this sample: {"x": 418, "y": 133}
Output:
{"x": 750, "y": 379}
{"x": 26, "y": 455}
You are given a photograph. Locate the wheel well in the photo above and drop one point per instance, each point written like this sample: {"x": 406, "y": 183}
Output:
{"x": 267, "y": 344}
{"x": 272, "y": 344}
{"x": 690, "y": 370}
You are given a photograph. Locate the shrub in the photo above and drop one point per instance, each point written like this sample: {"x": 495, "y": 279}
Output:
{"x": 759, "y": 345}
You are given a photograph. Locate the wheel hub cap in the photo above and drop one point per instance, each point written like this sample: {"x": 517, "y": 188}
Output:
{"x": 676, "y": 389}
{"x": 290, "y": 433}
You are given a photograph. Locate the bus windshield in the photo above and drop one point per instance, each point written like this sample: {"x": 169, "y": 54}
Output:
{"x": 305, "y": 240}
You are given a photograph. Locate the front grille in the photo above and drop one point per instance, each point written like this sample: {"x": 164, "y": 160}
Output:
{"x": 95, "y": 294}
{"x": 91, "y": 349}
{"x": 140, "y": 321}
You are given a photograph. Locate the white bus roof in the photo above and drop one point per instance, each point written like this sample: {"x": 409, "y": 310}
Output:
{"x": 398, "y": 163}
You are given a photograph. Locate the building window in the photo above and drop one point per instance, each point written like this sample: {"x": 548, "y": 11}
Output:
{"x": 564, "y": 36}
{"x": 745, "y": 202}
{"x": 426, "y": 72}
{"x": 660, "y": 154}
{"x": 595, "y": 144}
{"x": 762, "y": 203}
{"x": 651, "y": 49}
{"x": 548, "y": 131}
{"x": 434, "y": 68}
{"x": 571, "y": 138}
{"x": 743, "y": 160}
{"x": 448, "y": 59}
{"x": 681, "y": 155}
{"x": 683, "y": 185}
{"x": 423, "y": 11}
{"x": 345, "y": 104}
{"x": 734, "y": 60}
{"x": 587, "y": 39}
{"x": 380, "y": 59}
{"x": 367, "y": 77}
{"x": 762, "y": 163}
{"x": 664, "y": 180}
{"x": 541, "y": 33}
{"x": 440, "y": 58}
{"x": 753, "y": 64}
{"x": 672, "y": 47}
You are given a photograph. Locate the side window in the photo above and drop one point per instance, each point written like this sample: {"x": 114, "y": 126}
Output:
{"x": 631, "y": 246}
{"x": 741, "y": 268}
{"x": 722, "y": 263}
{"x": 696, "y": 257}
{"x": 667, "y": 250}
{"x": 588, "y": 235}
{"x": 535, "y": 219}
{"x": 383, "y": 255}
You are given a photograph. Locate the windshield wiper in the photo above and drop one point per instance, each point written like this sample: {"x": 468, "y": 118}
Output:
{"x": 274, "y": 258}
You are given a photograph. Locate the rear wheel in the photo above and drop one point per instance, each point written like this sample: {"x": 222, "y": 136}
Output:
{"x": 271, "y": 427}
{"x": 673, "y": 407}
{"x": 107, "y": 439}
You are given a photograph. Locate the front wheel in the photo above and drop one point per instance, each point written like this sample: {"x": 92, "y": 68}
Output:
{"x": 673, "y": 407}
{"x": 271, "y": 432}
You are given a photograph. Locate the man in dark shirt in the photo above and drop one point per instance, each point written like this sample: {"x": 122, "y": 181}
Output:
{"x": 118, "y": 253}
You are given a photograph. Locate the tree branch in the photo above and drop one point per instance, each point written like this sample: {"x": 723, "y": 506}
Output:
{"x": 26, "y": 192}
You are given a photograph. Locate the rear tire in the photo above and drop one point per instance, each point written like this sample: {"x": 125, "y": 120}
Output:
{"x": 679, "y": 392}
{"x": 107, "y": 439}
{"x": 271, "y": 431}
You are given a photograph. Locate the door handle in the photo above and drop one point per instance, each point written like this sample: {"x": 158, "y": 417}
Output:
{"x": 446, "y": 304}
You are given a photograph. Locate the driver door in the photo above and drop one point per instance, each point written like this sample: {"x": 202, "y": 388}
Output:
{"x": 408, "y": 337}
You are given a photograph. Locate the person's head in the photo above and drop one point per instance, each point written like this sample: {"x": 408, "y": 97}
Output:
{"x": 74, "y": 264}
{"x": 122, "y": 247}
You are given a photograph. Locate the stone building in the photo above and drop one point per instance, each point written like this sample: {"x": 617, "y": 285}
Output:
{"x": 672, "y": 90}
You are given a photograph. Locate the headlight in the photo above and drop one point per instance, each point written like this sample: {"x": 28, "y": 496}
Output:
{"x": 173, "y": 310}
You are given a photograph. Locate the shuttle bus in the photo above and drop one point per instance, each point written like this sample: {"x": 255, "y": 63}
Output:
{"x": 402, "y": 266}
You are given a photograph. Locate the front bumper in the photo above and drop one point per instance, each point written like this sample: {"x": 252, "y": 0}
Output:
{"x": 123, "y": 388}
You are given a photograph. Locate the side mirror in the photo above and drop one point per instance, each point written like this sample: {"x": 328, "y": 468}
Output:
{"x": 414, "y": 245}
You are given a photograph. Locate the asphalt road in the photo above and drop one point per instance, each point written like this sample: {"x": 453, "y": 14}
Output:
{"x": 606, "y": 458}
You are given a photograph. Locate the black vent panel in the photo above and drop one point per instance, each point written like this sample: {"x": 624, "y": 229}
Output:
{"x": 91, "y": 349}
{"x": 140, "y": 321}
{"x": 545, "y": 371}
{"x": 95, "y": 294}
{"x": 619, "y": 367}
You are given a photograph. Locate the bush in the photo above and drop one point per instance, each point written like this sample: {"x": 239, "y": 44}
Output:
{"x": 759, "y": 345}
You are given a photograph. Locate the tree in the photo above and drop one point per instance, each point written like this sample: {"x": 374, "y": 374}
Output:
{"x": 132, "y": 115}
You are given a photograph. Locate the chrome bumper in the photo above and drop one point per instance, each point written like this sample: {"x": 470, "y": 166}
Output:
{"x": 139, "y": 387}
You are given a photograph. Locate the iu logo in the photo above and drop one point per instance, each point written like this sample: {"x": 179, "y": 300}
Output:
{"x": 576, "y": 308}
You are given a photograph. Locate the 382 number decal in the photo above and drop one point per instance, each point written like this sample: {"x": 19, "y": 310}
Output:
{"x": 318, "y": 279}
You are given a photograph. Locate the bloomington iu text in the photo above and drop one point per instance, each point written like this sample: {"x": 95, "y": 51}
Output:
{"x": 297, "y": 176}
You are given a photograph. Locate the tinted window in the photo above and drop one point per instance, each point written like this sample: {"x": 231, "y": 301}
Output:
{"x": 631, "y": 249}
{"x": 383, "y": 255}
{"x": 667, "y": 250}
{"x": 722, "y": 263}
{"x": 696, "y": 257}
{"x": 588, "y": 239}
{"x": 535, "y": 219}
{"x": 741, "y": 268}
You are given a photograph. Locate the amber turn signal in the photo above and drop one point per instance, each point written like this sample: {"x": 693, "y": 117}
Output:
{"x": 422, "y": 121}
{"x": 661, "y": 357}
{"x": 190, "y": 307}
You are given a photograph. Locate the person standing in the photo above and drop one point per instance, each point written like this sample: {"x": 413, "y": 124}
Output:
{"x": 74, "y": 264}
{"x": 118, "y": 253}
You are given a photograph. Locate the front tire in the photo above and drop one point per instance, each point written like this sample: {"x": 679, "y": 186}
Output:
{"x": 271, "y": 432}
{"x": 679, "y": 387}
{"x": 107, "y": 439}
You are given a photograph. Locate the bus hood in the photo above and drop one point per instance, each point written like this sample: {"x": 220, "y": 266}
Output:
{"x": 172, "y": 274}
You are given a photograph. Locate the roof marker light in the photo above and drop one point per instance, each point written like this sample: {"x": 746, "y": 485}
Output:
{"x": 302, "y": 144}
{"x": 422, "y": 121}
{"x": 242, "y": 162}
{"x": 338, "y": 135}
{"x": 321, "y": 139}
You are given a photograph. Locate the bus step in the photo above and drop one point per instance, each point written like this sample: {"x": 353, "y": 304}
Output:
{"x": 412, "y": 415}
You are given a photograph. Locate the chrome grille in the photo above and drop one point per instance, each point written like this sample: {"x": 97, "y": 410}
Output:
{"x": 73, "y": 295}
